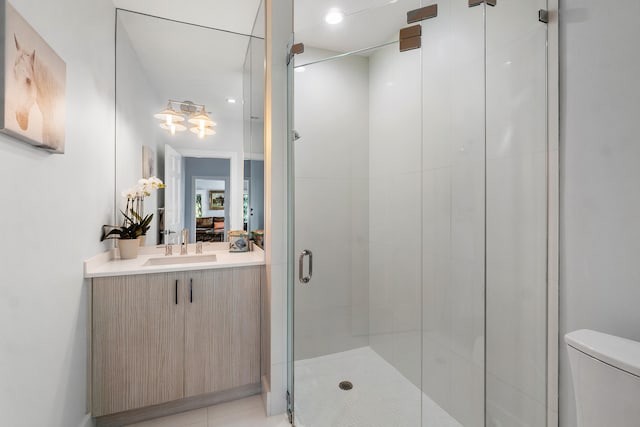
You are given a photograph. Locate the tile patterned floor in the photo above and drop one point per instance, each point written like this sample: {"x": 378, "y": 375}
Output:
{"x": 248, "y": 412}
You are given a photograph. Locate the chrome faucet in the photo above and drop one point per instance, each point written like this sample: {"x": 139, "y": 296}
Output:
{"x": 184, "y": 241}
{"x": 168, "y": 249}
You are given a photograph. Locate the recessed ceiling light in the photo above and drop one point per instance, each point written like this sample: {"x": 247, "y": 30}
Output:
{"x": 231, "y": 100}
{"x": 334, "y": 16}
{"x": 299, "y": 69}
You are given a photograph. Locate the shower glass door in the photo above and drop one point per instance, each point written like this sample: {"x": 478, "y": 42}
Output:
{"x": 453, "y": 197}
{"x": 356, "y": 152}
{"x": 357, "y": 217}
{"x": 516, "y": 321}
{"x": 387, "y": 178}
{"x": 417, "y": 185}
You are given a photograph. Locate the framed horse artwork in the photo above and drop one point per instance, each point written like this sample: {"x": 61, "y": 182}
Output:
{"x": 33, "y": 76}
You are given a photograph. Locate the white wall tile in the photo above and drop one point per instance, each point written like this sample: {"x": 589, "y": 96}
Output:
{"x": 394, "y": 110}
{"x": 437, "y": 209}
{"x": 331, "y": 205}
{"x": 453, "y": 209}
{"x": 516, "y": 273}
{"x": 508, "y": 406}
{"x": 436, "y": 369}
{"x": 395, "y": 209}
{"x": 467, "y": 383}
{"x": 407, "y": 355}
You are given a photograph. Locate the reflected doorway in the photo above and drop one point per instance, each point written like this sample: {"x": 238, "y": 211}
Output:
{"x": 210, "y": 209}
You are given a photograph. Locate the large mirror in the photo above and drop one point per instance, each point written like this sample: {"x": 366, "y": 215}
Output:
{"x": 189, "y": 110}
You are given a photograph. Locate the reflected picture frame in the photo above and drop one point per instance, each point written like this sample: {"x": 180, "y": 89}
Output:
{"x": 216, "y": 200}
{"x": 148, "y": 162}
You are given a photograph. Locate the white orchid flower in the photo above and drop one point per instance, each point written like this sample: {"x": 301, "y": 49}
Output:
{"x": 155, "y": 182}
{"x": 130, "y": 193}
{"x": 144, "y": 188}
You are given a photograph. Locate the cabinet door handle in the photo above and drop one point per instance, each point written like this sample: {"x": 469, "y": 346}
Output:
{"x": 176, "y": 291}
{"x": 191, "y": 291}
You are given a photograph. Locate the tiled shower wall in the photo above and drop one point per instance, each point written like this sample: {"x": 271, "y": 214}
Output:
{"x": 332, "y": 211}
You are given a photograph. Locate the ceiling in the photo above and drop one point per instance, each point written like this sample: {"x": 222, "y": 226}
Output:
{"x": 366, "y": 23}
{"x": 230, "y": 15}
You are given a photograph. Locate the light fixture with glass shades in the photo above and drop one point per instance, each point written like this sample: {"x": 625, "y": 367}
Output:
{"x": 196, "y": 114}
{"x": 204, "y": 125}
{"x": 173, "y": 127}
{"x": 170, "y": 119}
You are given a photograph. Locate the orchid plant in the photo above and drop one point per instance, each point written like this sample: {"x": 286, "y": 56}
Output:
{"x": 144, "y": 188}
{"x": 130, "y": 230}
{"x": 135, "y": 224}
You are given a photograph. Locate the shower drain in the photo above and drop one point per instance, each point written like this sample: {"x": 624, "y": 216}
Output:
{"x": 345, "y": 385}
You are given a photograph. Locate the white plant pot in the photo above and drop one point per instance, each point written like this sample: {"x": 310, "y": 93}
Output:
{"x": 128, "y": 248}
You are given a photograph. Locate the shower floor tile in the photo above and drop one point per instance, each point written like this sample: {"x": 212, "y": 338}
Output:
{"x": 381, "y": 396}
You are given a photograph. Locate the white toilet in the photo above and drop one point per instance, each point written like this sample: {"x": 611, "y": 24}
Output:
{"x": 606, "y": 379}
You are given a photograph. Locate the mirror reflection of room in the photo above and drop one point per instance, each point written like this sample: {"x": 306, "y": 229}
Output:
{"x": 210, "y": 218}
{"x": 193, "y": 119}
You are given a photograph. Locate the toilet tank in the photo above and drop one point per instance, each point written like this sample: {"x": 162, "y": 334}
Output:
{"x": 606, "y": 379}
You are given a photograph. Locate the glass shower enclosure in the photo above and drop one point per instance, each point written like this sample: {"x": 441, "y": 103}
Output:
{"x": 417, "y": 211}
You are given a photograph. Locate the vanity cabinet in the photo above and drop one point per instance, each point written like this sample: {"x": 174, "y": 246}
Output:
{"x": 167, "y": 336}
{"x": 222, "y": 331}
{"x": 138, "y": 345}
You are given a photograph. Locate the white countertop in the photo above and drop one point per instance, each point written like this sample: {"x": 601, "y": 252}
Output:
{"x": 109, "y": 263}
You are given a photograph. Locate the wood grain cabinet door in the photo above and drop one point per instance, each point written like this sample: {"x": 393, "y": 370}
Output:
{"x": 222, "y": 330}
{"x": 138, "y": 341}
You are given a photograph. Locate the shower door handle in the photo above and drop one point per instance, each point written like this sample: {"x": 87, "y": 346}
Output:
{"x": 301, "y": 277}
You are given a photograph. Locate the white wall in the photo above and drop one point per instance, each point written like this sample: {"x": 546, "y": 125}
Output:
{"x": 52, "y": 209}
{"x": 331, "y": 203}
{"x": 600, "y": 201}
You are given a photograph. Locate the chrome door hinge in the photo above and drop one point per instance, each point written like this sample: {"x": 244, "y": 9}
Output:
{"x": 289, "y": 408}
{"x": 543, "y": 16}
{"x": 479, "y": 2}
{"x": 295, "y": 50}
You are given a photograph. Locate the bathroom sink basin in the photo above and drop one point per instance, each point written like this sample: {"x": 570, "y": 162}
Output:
{"x": 180, "y": 259}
